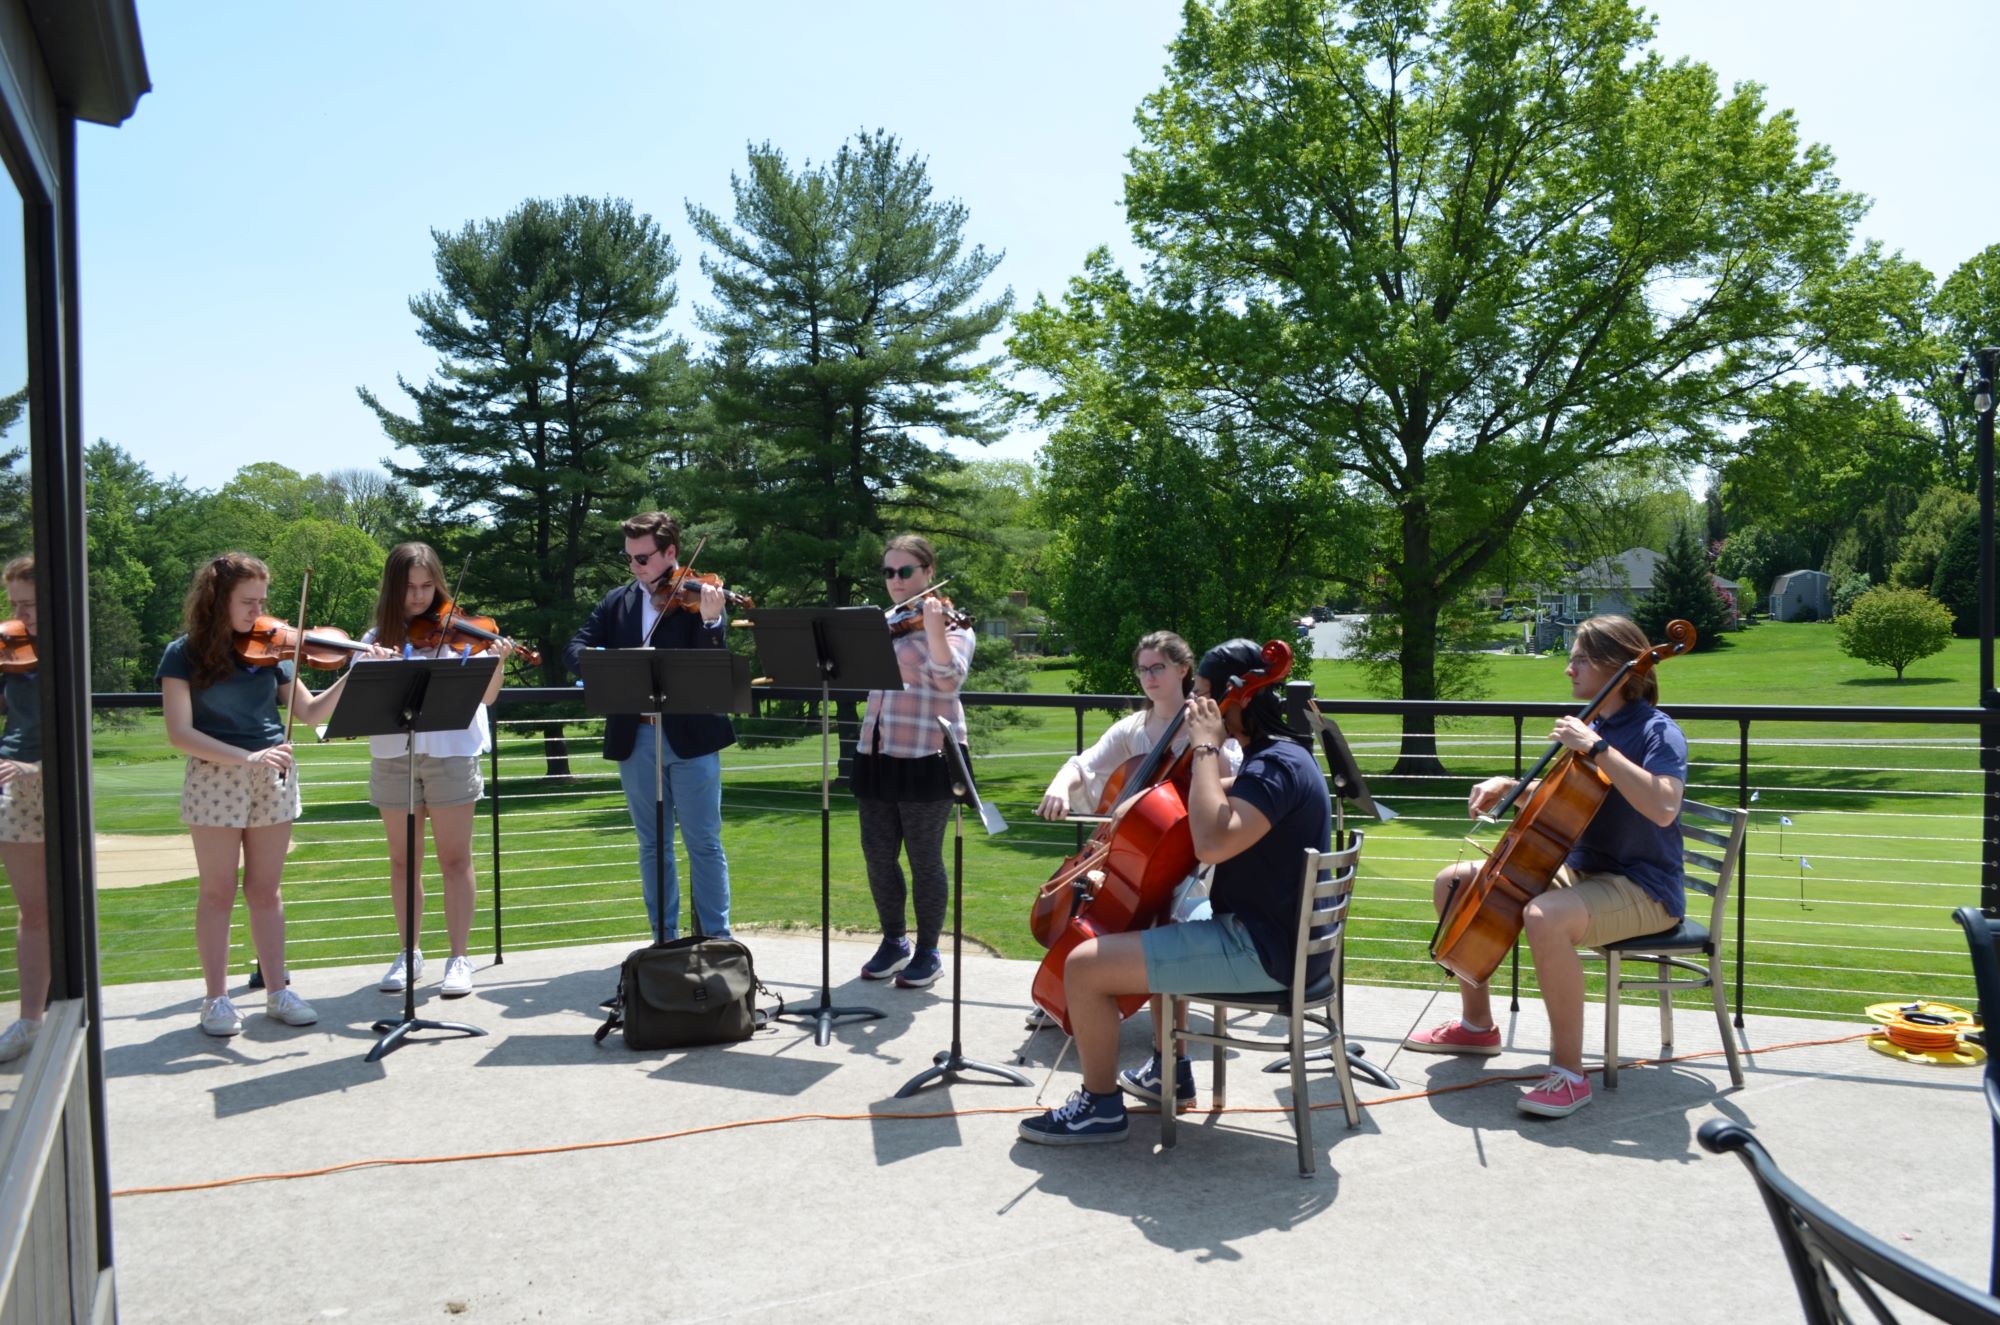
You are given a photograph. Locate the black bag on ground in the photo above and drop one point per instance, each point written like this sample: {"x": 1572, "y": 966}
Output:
{"x": 685, "y": 992}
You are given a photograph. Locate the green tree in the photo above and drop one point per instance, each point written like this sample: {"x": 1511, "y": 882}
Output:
{"x": 17, "y": 515}
{"x": 847, "y": 322}
{"x": 1683, "y": 589}
{"x": 1956, "y": 584}
{"x": 1894, "y": 627}
{"x": 1425, "y": 247}
{"x": 1939, "y": 512}
{"x": 1754, "y": 555}
{"x": 346, "y": 569}
{"x": 1963, "y": 316}
{"x": 554, "y": 391}
{"x": 376, "y": 504}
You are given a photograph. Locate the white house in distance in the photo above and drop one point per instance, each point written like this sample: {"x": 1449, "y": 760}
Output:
{"x": 1614, "y": 586}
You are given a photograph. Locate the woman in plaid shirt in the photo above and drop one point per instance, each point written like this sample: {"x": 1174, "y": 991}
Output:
{"x": 900, "y": 780}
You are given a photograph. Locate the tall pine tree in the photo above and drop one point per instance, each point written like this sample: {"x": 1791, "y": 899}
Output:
{"x": 847, "y": 324}
{"x": 555, "y": 390}
{"x": 1683, "y": 589}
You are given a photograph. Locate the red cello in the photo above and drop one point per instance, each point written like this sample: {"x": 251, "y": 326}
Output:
{"x": 1149, "y": 852}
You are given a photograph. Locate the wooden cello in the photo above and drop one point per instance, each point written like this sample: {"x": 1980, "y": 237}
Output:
{"x": 1149, "y": 851}
{"x": 1482, "y": 918}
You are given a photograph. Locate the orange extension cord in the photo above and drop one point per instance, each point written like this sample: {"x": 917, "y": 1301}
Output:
{"x": 577, "y": 1146}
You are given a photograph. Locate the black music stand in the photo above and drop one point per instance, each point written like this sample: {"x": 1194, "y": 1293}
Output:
{"x": 655, "y": 682}
{"x": 952, "y": 1062}
{"x": 1344, "y": 776}
{"x": 411, "y": 695}
{"x": 815, "y": 647}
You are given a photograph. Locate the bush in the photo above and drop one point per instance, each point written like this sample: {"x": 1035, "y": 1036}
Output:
{"x": 1956, "y": 584}
{"x": 1852, "y": 586}
{"x": 1894, "y": 628}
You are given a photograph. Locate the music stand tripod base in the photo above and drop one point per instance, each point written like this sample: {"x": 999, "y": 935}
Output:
{"x": 1357, "y": 1062}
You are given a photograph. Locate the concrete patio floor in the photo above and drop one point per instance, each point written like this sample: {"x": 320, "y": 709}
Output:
{"x": 786, "y": 1182}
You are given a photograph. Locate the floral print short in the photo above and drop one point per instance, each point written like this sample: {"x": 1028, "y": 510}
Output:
{"x": 21, "y": 809}
{"x": 237, "y": 795}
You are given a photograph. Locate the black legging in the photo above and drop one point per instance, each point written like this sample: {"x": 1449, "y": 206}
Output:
{"x": 888, "y": 828}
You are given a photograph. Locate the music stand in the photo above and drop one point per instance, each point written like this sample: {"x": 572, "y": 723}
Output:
{"x": 815, "y": 647}
{"x": 952, "y": 1062}
{"x": 655, "y": 682}
{"x": 1344, "y": 776}
{"x": 411, "y": 695}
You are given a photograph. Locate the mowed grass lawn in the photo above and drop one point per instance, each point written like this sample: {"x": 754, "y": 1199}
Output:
{"x": 1849, "y": 904}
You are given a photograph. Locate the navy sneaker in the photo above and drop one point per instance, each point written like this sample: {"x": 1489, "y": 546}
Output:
{"x": 924, "y": 969}
{"x": 1084, "y": 1119}
{"x": 1144, "y": 1081}
{"x": 891, "y": 957}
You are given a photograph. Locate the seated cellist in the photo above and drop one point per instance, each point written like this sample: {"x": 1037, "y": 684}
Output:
{"x": 1621, "y": 880}
{"x": 1252, "y": 831}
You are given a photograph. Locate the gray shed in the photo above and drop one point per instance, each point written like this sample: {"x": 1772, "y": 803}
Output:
{"x": 1802, "y": 595}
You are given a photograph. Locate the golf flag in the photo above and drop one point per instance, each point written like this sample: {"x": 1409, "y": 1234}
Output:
{"x": 1785, "y": 819}
{"x": 1804, "y": 863}
{"x": 1753, "y": 797}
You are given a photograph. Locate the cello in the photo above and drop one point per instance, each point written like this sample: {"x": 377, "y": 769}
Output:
{"x": 1482, "y": 918}
{"x": 1147, "y": 853}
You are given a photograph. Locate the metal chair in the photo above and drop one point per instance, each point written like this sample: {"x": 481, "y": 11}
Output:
{"x": 1328, "y": 887}
{"x": 1982, "y": 935}
{"x": 1828, "y": 1255}
{"x": 1690, "y": 947}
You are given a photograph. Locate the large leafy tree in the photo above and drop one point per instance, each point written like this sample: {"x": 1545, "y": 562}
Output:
{"x": 1452, "y": 253}
{"x": 556, "y": 387}
{"x": 848, "y": 322}
{"x": 1683, "y": 589}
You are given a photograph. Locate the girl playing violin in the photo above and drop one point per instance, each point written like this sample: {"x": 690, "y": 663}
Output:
{"x": 21, "y": 823}
{"x": 240, "y": 792}
{"x": 900, "y": 782}
{"x": 448, "y": 783}
{"x": 1622, "y": 879}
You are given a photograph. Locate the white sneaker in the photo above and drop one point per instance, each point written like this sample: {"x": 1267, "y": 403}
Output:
{"x": 14, "y": 1041}
{"x": 397, "y": 977}
{"x": 1038, "y": 1019}
{"x": 288, "y": 1008}
{"x": 220, "y": 1017}
{"x": 457, "y": 981}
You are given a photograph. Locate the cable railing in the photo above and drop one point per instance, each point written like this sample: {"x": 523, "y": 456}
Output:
{"x": 1866, "y": 829}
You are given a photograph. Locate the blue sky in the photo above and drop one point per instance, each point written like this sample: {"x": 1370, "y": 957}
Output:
{"x": 251, "y": 237}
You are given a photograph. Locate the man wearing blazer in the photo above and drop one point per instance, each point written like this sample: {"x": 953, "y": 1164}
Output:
{"x": 627, "y": 619}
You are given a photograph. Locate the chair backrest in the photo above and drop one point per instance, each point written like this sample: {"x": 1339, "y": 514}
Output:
{"x": 1327, "y": 887}
{"x": 1830, "y": 1256}
{"x": 1982, "y": 936}
{"x": 1711, "y": 845}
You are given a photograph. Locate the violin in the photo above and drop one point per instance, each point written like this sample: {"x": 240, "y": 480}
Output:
{"x": 1482, "y": 918}
{"x": 272, "y": 640}
{"x": 444, "y": 629}
{"x": 681, "y": 589}
{"x": 1149, "y": 851}
{"x": 909, "y": 618}
{"x": 17, "y": 648}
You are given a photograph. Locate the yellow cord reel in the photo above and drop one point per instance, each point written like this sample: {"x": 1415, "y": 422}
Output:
{"x": 1925, "y": 1032}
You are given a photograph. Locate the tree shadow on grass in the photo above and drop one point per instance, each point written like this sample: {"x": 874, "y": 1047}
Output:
{"x": 1890, "y": 682}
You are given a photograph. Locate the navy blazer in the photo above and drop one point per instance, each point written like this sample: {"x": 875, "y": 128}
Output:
{"x": 618, "y": 623}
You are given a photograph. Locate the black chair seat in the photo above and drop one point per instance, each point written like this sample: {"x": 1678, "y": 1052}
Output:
{"x": 1689, "y": 934}
{"x": 1276, "y": 1000}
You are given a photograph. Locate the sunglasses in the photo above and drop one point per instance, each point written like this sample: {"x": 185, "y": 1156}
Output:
{"x": 641, "y": 558}
{"x": 899, "y": 572}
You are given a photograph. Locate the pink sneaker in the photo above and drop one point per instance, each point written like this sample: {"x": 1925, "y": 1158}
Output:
{"x": 1556, "y": 1097}
{"x": 1453, "y": 1038}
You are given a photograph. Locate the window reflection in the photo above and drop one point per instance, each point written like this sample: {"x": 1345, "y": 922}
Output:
{"x": 24, "y": 943}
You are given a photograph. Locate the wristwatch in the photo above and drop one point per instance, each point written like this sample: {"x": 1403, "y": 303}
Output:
{"x": 1599, "y": 747}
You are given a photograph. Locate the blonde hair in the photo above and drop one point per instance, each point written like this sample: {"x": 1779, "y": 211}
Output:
{"x": 20, "y": 568}
{"x": 1613, "y": 641}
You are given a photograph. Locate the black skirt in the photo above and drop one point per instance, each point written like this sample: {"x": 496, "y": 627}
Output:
{"x": 877, "y": 777}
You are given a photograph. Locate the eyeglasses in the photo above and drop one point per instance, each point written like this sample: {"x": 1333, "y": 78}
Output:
{"x": 1155, "y": 670}
{"x": 899, "y": 572}
{"x": 641, "y": 558}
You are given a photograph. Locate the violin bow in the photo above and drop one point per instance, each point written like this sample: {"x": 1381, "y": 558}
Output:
{"x": 444, "y": 626}
{"x": 915, "y": 596}
{"x": 298, "y": 658}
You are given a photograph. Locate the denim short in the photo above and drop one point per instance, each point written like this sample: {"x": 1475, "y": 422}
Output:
{"x": 1213, "y": 956}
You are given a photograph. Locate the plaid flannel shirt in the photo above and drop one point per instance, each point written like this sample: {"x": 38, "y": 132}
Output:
{"x": 907, "y": 718}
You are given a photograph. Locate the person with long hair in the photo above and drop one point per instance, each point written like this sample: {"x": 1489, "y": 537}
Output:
{"x": 1252, "y": 828}
{"x": 1621, "y": 879}
{"x": 240, "y": 790}
{"x": 448, "y": 782}
{"x": 21, "y": 823}
{"x": 901, "y": 784}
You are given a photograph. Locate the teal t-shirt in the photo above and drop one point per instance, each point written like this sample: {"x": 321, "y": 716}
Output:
{"x": 22, "y": 741}
{"x": 241, "y": 709}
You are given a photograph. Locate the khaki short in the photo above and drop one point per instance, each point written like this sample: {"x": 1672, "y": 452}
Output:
{"x": 1619, "y": 908}
{"x": 21, "y": 809}
{"x": 237, "y": 795}
{"x": 442, "y": 781}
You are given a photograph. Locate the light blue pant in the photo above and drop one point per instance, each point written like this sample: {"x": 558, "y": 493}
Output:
{"x": 694, "y": 801}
